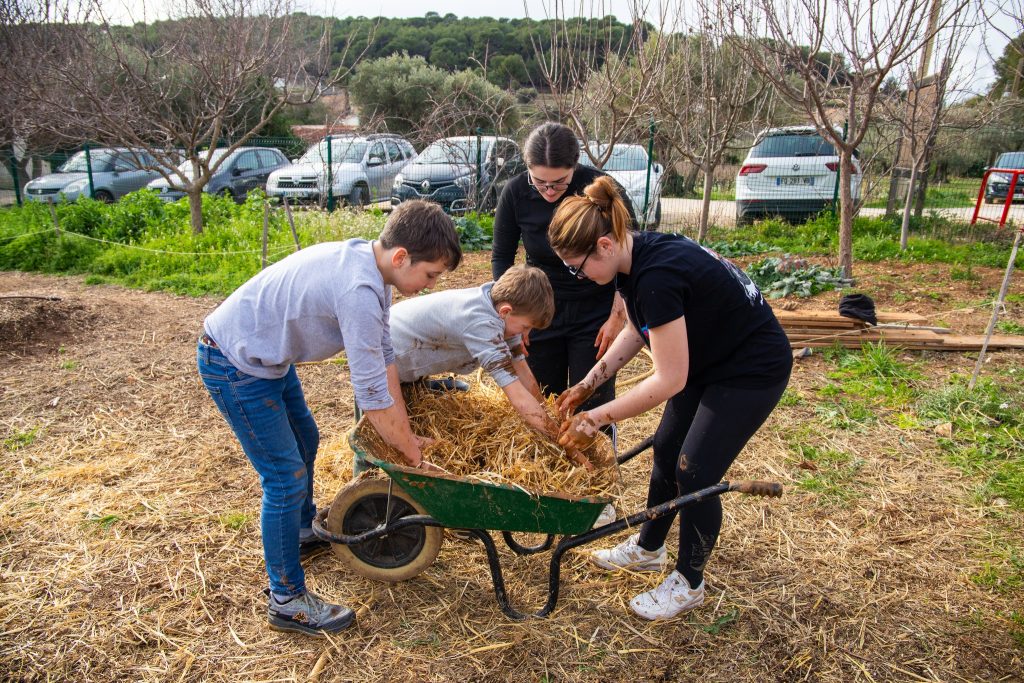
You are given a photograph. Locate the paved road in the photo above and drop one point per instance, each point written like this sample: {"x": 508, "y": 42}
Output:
{"x": 685, "y": 213}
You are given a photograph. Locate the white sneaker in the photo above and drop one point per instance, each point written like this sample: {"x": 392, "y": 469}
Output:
{"x": 629, "y": 555}
{"x": 673, "y": 596}
{"x": 607, "y": 516}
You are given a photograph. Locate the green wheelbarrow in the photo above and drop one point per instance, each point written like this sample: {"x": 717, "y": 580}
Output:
{"x": 391, "y": 529}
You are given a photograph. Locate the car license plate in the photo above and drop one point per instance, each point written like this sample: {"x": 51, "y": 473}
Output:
{"x": 795, "y": 180}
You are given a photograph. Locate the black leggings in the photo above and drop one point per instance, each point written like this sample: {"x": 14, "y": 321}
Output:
{"x": 563, "y": 354}
{"x": 702, "y": 431}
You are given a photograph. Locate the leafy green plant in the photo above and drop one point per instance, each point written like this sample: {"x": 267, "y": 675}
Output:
{"x": 734, "y": 248}
{"x": 1009, "y": 327}
{"x": 472, "y": 235}
{"x": 785, "y": 276}
{"x": 20, "y": 439}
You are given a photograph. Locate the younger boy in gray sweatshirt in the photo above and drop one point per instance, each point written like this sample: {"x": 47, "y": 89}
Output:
{"x": 460, "y": 330}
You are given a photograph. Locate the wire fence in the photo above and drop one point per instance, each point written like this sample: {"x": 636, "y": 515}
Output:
{"x": 790, "y": 173}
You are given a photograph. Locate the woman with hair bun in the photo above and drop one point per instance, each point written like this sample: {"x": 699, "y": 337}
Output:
{"x": 721, "y": 363}
{"x": 588, "y": 315}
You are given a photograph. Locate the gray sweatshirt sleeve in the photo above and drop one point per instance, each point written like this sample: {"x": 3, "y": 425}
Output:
{"x": 364, "y": 326}
{"x": 485, "y": 342}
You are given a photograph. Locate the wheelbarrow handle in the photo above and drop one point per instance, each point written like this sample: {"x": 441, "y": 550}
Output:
{"x": 754, "y": 487}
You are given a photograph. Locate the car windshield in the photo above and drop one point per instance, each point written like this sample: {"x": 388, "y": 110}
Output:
{"x": 453, "y": 152}
{"x": 186, "y": 166}
{"x": 102, "y": 162}
{"x": 626, "y": 158}
{"x": 342, "y": 152}
{"x": 1010, "y": 160}
{"x": 793, "y": 145}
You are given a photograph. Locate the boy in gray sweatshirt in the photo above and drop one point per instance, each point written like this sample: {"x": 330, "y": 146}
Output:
{"x": 460, "y": 330}
{"x": 309, "y": 306}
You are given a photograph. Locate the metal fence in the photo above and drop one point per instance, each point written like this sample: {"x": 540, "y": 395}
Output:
{"x": 789, "y": 176}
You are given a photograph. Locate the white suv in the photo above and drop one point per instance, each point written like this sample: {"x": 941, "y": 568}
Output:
{"x": 790, "y": 172}
{"x": 363, "y": 169}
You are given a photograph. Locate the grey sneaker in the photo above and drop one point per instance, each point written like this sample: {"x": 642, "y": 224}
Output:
{"x": 307, "y": 613}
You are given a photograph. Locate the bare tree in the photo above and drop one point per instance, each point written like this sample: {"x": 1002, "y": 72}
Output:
{"x": 704, "y": 95}
{"x": 216, "y": 74}
{"x": 863, "y": 40}
{"x": 924, "y": 110}
{"x": 602, "y": 81}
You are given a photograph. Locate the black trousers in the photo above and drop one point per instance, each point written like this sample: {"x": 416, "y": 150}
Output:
{"x": 564, "y": 353}
{"x": 701, "y": 432}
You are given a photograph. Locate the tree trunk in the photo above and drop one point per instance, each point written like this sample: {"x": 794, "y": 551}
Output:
{"x": 690, "y": 180}
{"x": 195, "y": 205}
{"x": 705, "y": 205}
{"x": 905, "y": 226}
{"x": 846, "y": 212}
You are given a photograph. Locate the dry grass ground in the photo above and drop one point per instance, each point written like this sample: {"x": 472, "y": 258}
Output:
{"x": 129, "y": 536}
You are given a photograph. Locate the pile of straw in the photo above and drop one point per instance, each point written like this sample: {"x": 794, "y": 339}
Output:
{"x": 478, "y": 435}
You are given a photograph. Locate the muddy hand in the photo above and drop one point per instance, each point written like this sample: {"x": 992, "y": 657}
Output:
{"x": 571, "y": 399}
{"x": 578, "y": 457}
{"x": 579, "y": 431}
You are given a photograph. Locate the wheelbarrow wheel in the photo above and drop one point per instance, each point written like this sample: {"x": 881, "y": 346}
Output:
{"x": 362, "y": 506}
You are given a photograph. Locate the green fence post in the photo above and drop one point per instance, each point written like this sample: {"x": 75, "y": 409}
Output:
{"x": 330, "y": 176}
{"x": 14, "y": 177}
{"x": 88, "y": 170}
{"x": 839, "y": 173}
{"x": 477, "y": 199}
{"x": 647, "y": 183}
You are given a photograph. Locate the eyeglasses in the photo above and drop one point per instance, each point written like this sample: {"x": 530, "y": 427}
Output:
{"x": 546, "y": 187}
{"x": 578, "y": 270}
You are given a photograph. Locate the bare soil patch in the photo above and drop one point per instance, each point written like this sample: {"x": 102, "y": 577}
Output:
{"x": 130, "y": 547}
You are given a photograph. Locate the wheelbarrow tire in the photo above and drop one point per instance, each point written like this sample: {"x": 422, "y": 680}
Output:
{"x": 360, "y": 507}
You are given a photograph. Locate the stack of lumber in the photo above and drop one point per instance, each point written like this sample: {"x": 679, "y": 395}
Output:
{"x": 806, "y": 328}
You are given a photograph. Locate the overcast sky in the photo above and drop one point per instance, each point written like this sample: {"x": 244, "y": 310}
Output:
{"x": 976, "y": 61}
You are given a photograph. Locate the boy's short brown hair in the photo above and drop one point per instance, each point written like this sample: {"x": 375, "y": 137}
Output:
{"x": 425, "y": 231}
{"x": 528, "y": 291}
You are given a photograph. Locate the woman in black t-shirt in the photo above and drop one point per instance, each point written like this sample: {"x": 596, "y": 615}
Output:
{"x": 588, "y": 316}
{"x": 721, "y": 363}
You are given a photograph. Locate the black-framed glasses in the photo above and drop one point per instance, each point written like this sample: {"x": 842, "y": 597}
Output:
{"x": 578, "y": 270}
{"x": 546, "y": 187}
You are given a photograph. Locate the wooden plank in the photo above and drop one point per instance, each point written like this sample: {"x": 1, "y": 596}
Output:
{"x": 974, "y": 341}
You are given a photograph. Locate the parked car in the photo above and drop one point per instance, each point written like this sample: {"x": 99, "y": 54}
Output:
{"x": 790, "y": 172}
{"x": 244, "y": 169}
{"x": 116, "y": 171}
{"x": 999, "y": 183}
{"x": 628, "y": 165}
{"x": 446, "y": 172}
{"x": 363, "y": 169}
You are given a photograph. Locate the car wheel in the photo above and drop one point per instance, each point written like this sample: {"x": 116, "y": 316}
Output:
{"x": 103, "y": 196}
{"x": 226, "y": 193}
{"x": 358, "y": 197}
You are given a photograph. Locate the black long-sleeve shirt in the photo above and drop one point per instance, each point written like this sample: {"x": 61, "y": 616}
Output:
{"x": 523, "y": 214}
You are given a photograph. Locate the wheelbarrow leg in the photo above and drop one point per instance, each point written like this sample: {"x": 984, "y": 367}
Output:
{"x": 756, "y": 488}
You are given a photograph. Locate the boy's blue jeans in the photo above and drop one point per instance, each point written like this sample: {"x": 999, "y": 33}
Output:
{"x": 279, "y": 436}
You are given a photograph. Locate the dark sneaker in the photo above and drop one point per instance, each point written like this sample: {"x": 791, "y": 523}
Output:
{"x": 308, "y": 547}
{"x": 307, "y": 613}
{"x": 447, "y": 384}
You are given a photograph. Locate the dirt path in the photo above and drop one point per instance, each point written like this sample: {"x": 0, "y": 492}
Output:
{"x": 129, "y": 534}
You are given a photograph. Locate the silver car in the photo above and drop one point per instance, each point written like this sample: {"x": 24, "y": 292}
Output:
{"x": 363, "y": 170}
{"x": 116, "y": 171}
{"x": 247, "y": 168}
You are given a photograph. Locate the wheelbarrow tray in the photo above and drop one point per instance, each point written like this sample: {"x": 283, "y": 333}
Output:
{"x": 462, "y": 503}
